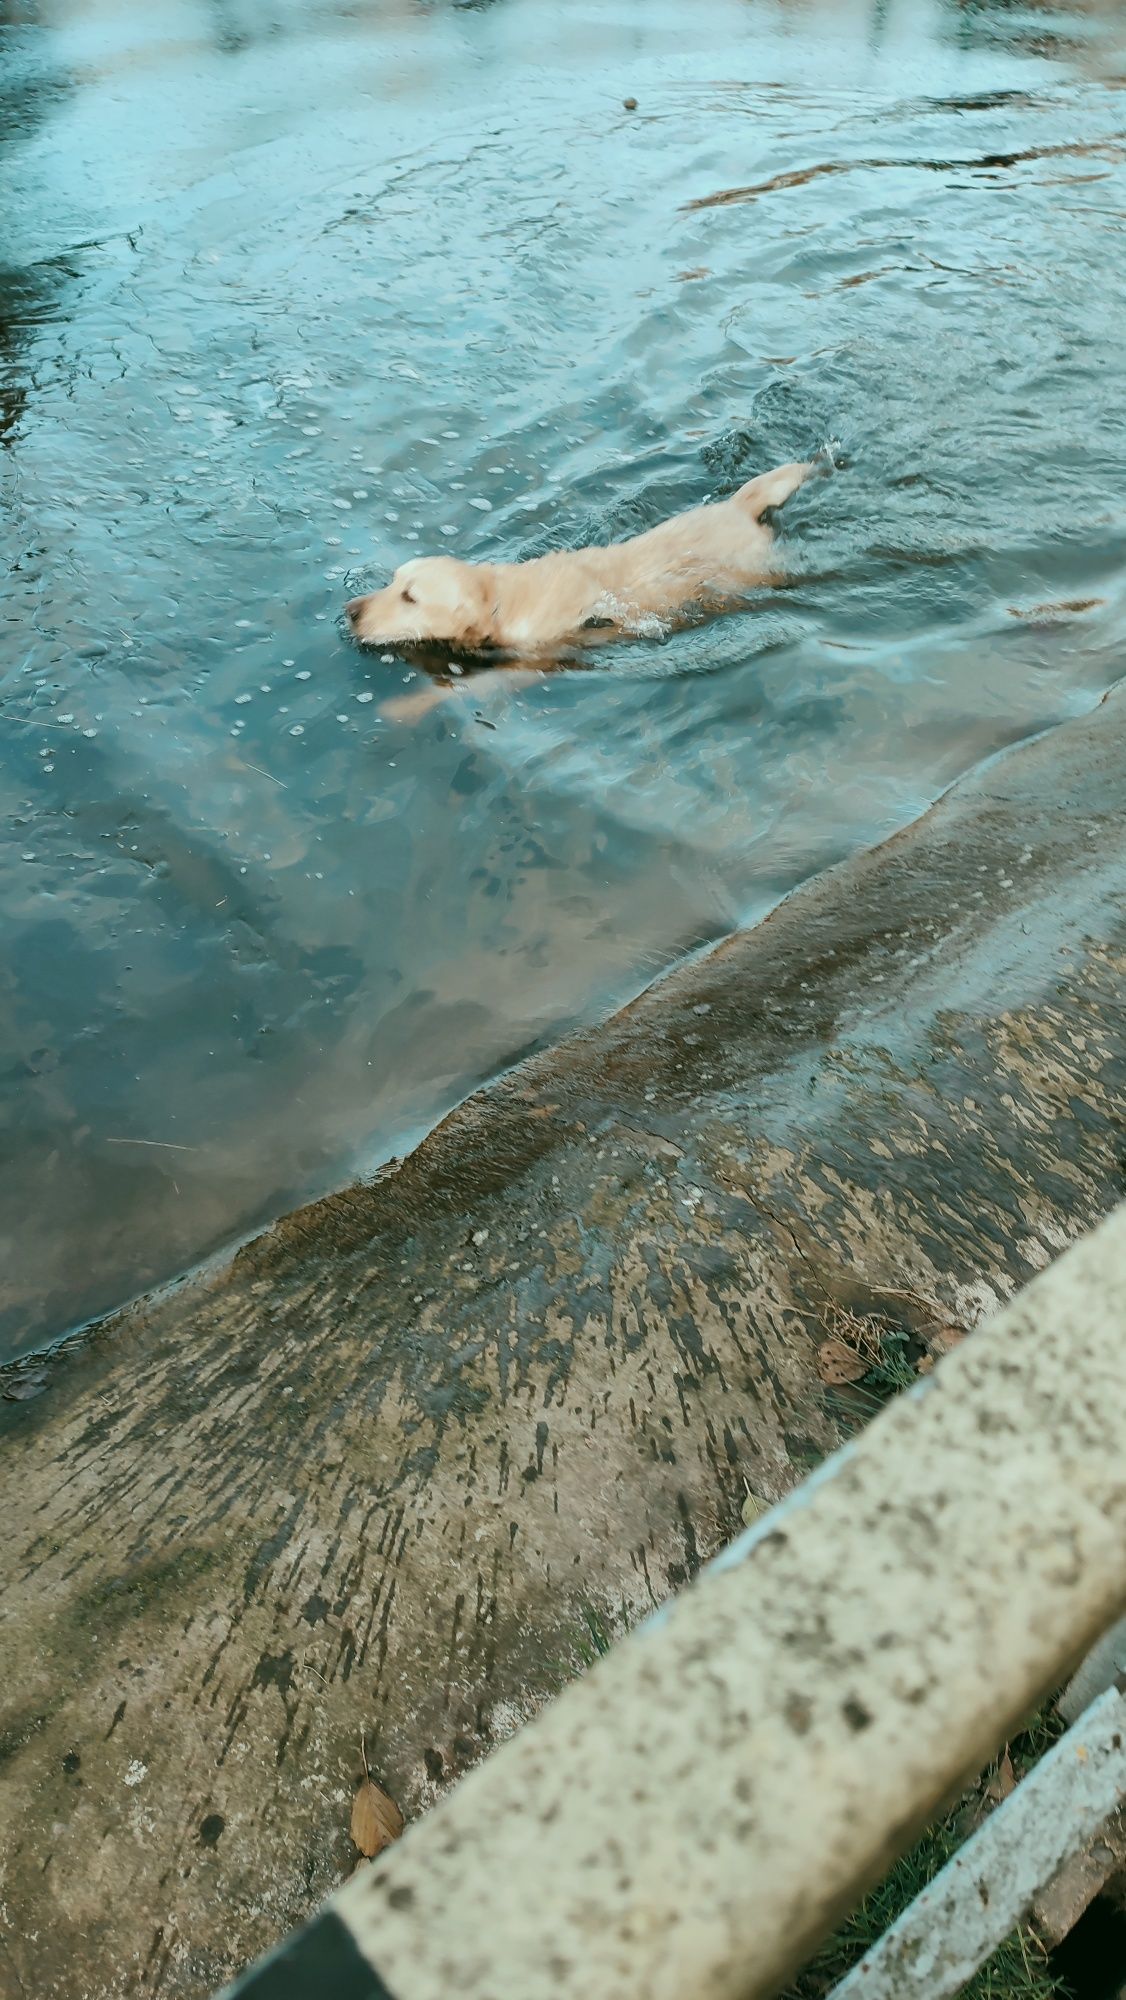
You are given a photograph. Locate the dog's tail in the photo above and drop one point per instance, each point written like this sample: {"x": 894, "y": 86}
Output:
{"x": 770, "y": 489}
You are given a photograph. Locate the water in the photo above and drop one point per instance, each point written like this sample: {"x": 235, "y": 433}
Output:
{"x": 289, "y": 292}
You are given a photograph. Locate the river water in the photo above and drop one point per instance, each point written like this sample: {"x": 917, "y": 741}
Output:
{"x": 291, "y": 291}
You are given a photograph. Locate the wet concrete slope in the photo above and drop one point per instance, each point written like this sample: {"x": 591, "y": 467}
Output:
{"x": 391, "y": 1467}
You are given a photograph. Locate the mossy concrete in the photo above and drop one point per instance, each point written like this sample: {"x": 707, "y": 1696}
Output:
{"x": 376, "y": 1472}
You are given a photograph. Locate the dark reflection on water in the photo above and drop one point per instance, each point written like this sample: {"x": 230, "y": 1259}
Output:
{"x": 290, "y": 292}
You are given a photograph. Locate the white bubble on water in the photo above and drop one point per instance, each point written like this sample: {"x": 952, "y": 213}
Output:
{"x": 241, "y": 698}
{"x": 366, "y": 697}
{"x": 298, "y": 729}
{"x": 304, "y": 675}
{"x": 484, "y": 506}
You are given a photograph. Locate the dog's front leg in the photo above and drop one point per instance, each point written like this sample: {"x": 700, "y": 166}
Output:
{"x": 419, "y": 702}
{"x": 478, "y": 687}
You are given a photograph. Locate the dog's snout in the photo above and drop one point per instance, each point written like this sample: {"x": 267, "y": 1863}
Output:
{"x": 353, "y": 609}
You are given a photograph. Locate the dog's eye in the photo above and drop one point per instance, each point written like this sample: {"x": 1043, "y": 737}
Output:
{"x": 409, "y": 597}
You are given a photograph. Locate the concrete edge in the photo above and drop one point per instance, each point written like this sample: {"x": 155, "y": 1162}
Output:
{"x": 701, "y": 1809}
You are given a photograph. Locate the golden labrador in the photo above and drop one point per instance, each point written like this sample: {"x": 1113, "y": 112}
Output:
{"x": 691, "y": 567}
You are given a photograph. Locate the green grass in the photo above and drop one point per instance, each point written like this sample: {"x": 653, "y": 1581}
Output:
{"x": 1019, "y": 1968}
{"x": 592, "y": 1640}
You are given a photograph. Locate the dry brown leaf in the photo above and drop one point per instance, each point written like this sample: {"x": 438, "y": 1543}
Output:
{"x": 942, "y": 1338}
{"x": 752, "y": 1508}
{"x": 837, "y": 1363}
{"x": 376, "y": 1819}
{"x": 1003, "y": 1781}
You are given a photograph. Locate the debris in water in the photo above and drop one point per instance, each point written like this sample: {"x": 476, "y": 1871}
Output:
{"x": 20, "y": 1388}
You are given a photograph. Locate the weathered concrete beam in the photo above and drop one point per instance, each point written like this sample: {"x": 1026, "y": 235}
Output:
{"x": 380, "y": 1470}
{"x": 991, "y": 1885}
{"x": 696, "y": 1814}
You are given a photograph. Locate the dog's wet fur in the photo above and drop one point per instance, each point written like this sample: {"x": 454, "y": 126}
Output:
{"x": 690, "y": 566}
{"x": 444, "y": 614}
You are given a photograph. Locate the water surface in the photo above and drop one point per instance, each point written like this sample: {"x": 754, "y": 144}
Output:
{"x": 290, "y": 291}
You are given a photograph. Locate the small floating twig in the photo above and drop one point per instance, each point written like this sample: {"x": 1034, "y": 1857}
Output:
{"x": 166, "y": 1145}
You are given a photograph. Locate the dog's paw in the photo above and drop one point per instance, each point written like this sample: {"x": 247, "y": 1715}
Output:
{"x": 412, "y": 707}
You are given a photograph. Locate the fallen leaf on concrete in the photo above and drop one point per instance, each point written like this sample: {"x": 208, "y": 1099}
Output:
{"x": 837, "y": 1363}
{"x": 376, "y": 1819}
{"x": 1003, "y": 1781}
{"x": 752, "y": 1508}
{"x": 942, "y": 1338}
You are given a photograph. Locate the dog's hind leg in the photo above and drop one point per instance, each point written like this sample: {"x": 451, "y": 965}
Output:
{"x": 771, "y": 489}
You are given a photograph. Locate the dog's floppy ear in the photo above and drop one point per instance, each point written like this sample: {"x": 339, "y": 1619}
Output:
{"x": 481, "y": 633}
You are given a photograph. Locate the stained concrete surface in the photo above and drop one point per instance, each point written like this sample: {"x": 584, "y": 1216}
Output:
{"x": 695, "y": 1815}
{"x": 383, "y": 1469}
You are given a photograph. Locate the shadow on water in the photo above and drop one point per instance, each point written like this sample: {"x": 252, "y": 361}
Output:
{"x": 31, "y": 293}
{"x": 293, "y": 292}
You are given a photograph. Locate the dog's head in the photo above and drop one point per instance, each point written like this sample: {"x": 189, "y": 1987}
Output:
{"x": 430, "y": 600}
